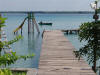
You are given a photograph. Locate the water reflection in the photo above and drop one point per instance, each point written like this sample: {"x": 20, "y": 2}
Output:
{"x": 34, "y": 46}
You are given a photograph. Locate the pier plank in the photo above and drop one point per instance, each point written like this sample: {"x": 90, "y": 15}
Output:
{"x": 57, "y": 57}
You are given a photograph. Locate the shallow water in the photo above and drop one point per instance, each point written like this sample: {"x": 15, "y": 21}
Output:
{"x": 32, "y": 43}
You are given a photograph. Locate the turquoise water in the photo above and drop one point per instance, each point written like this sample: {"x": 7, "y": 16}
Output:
{"x": 32, "y": 43}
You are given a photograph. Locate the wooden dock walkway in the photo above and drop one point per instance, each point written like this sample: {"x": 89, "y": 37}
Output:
{"x": 57, "y": 57}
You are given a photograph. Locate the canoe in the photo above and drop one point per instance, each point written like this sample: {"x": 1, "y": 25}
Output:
{"x": 41, "y": 23}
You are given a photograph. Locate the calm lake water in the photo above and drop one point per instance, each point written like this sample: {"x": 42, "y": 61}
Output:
{"x": 32, "y": 43}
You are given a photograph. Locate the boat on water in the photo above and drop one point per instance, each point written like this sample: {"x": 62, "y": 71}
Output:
{"x": 44, "y": 23}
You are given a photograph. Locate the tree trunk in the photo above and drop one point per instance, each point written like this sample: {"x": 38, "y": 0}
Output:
{"x": 94, "y": 61}
{"x": 95, "y": 48}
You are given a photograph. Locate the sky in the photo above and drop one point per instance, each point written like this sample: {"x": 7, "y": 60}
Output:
{"x": 45, "y": 5}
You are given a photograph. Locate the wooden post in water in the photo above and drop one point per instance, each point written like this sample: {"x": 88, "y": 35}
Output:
{"x": 29, "y": 23}
{"x": 21, "y": 31}
{"x": 32, "y": 22}
{"x": 70, "y": 31}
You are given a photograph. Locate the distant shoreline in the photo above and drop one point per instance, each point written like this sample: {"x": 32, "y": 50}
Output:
{"x": 54, "y": 12}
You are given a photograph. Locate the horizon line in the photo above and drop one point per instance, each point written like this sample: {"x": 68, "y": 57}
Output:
{"x": 47, "y": 11}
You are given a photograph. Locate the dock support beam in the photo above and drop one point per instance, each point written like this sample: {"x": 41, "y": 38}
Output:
{"x": 21, "y": 31}
{"x": 29, "y": 23}
{"x": 32, "y": 23}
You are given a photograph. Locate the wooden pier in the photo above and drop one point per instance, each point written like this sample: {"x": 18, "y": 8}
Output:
{"x": 71, "y": 31}
{"x": 57, "y": 57}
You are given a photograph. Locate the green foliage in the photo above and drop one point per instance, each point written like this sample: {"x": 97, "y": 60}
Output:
{"x": 90, "y": 32}
{"x": 1, "y": 45}
{"x": 2, "y": 21}
{"x": 87, "y": 30}
{"x": 5, "y": 72}
{"x": 13, "y": 41}
{"x": 8, "y": 59}
{"x": 19, "y": 73}
{"x": 99, "y": 10}
{"x": 5, "y": 43}
{"x": 9, "y": 72}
